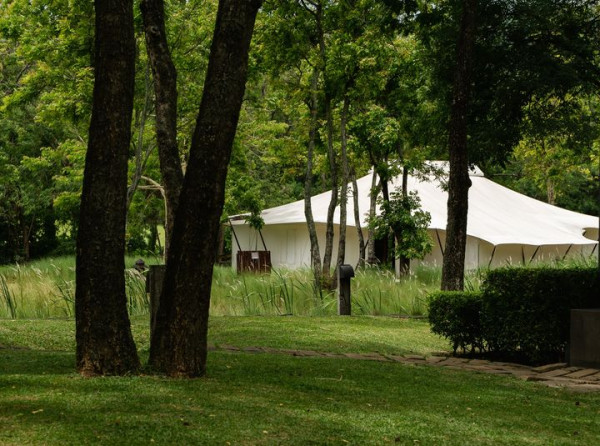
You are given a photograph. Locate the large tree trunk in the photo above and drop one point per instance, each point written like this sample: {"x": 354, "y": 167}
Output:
{"x": 459, "y": 181}
{"x": 179, "y": 342}
{"x": 103, "y": 333}
{"x": 310, "y": 222}
{"x": 344, "y": 188}
{"x": 165, "y": 91}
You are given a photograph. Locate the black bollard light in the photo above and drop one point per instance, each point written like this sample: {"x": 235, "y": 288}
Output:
{"x": 345, "y": 274}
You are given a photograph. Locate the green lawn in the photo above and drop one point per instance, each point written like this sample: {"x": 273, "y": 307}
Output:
{"x": 271, "y": 399}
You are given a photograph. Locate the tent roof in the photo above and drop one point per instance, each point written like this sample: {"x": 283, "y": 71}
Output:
{"x": 497, "y": 214}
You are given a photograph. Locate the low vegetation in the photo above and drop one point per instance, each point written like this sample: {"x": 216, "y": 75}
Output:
{"x": 272, "y": 399}
{"x": 46, "y": 288}
{"x": 520, "y": 314}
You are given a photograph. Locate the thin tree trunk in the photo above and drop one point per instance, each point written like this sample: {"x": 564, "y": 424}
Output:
{"x": 103, "y": 334}
{"x": 179, "y": 342}
{"x": 459, "y": 181}
{"x": 310, "y": 222}
{"x": 371, "y": 255}
{"x": 361, "y": 238}
{"x": 329, "y": 230}
{"x": 344, "y": 187}
{"x": 403, "y": 261}
{"x": 550, "y": 191}
{"x": 141, "y": 156}
{"x": 165, "y": 91}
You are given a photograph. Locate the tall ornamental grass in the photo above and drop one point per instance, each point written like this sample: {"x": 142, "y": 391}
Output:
{"x": 46, "y": 289}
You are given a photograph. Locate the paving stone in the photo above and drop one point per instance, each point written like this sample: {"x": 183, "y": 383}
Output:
{"x": 534, "y": 378}
{"x": 499, "y": 372}
{"x": 582, "y": 373}
{"x": 595, "y": 377}
{"x": 253, "y": 349}
{"x": 549, "y": 367}
{"x": 522, "y": 373}
{"x": 228, "y": 347}
{"x": 454, "y": 367}
{"x": 285, "y": 351}
{"x": 366, "y": 356}
{"x": 396, "y": 358}
{"x": 552, "y": 375}
{"x": 434, "y": 359}
{"x": 479, "y": 362}
{"x": 306, "y": 353}
{"x": 556, "y": 372}
{"x": 585, "y": 388}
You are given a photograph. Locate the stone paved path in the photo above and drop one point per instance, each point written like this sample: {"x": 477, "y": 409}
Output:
{"x": 553, "y": 375}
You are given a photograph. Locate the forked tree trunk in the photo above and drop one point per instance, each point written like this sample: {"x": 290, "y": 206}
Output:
{"x": 459, "y": 181}
{"x": 310, "y": 222}
{"x": 179, "y": 342}
{"x": 165, "y": 91}
{"x": 103, "y": 334}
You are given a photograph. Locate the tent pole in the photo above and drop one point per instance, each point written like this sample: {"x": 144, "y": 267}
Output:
{"x": 263, "y": 240}
{"x": 492, "y": 257}
{"x": 439, "y": 241}
{"x": 237, "y": 242}
{"x": 567, "y": 252}
{"x": 534, "y": 253}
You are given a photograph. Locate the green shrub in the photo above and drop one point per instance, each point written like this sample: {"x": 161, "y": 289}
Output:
{"x": 457, "y": 316}
{"x": 526, "y": 310}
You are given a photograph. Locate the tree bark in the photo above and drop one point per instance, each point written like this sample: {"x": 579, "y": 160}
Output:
{"x": 371, "y": 255}
{"x": 361, "y": 238}
{"x": 329, "y": 229}
{"x": 403, "y": 261}
{"x": 459, "y": 181}
{"x": 103, "y": 334}
{"x": 179, "y": 342}
{"x": 310, "y": 222}
{"x": 141, "y": 155}
{"x": 344, "y": 187}
{"x": 165, "y": 91}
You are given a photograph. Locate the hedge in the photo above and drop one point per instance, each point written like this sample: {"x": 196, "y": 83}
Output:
{"x": 456, "y": 315}
{"x": 526, "y": 311}
{"x": 521, "y": 314}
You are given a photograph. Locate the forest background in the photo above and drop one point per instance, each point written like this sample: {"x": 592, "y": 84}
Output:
{"x": 385, "y": 67}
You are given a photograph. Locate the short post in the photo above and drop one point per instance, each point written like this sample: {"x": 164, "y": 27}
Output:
{"x": 345, "y": 274}
{"x": 154, "y": 283}
{"x": 584, "y": 345}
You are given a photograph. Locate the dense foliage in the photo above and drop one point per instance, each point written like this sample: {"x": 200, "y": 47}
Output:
{"x": 533, "y": 124}
{"x": 456, "y": 315}
{"x": 520, "y": 314}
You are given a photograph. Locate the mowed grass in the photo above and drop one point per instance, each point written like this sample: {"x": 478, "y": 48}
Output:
{"x": 274, "y": 399}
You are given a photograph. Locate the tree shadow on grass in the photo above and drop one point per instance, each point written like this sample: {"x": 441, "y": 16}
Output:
{"x": 35, "y": 362}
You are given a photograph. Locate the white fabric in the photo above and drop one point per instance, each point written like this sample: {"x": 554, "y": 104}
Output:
{"x": 497, "y": 214}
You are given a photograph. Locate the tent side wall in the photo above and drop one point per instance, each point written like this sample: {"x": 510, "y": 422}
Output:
{"x": 290, "y": 244}
{"x": 435, "y": 258}
{"x": 290, "y": 248}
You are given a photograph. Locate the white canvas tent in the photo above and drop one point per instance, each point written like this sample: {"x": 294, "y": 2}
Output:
{"x": 503, "y": 226}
